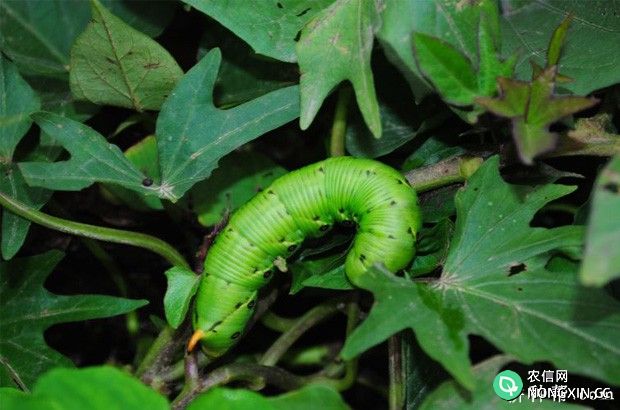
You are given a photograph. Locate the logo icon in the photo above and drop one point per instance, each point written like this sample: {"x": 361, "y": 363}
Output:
{"x": 508, "y": 385}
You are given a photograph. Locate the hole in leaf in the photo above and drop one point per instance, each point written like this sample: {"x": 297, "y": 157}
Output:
{"x": 303, "y": 12}
{"x": 514, "y": 269}
{"x": 611, "y": 187}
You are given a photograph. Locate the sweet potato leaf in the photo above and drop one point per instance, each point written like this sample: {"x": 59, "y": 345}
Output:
{"x": 193, "y": 135}
{"x": 143, "y": 155}
{"x": 592, "y": 43}
{"x": 98, "y": 388}
{"x": 115, "y": 64}
{"x": 311, "y": 396}
{"x": 93, "y": 159}
{"x": 182, "y": 285}
{"x": 38, "y": 35}
{"x": 336, "y": 46}
{"x": 601, "y": 262}
{"x": 18, "y": 102}
{"x": 27, "y": 309}
{"x": 15, "y": 228}
{"x": 455, "y": 23}
{"x": 458, "y": 79}
{"x": 238, "y": 178}
{"x": 487, "y": 288}
{"x": 269, "y": 26}
{"x": 532, "y": 107}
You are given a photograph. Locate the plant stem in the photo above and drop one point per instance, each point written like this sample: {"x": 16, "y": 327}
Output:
{"x": 350, "y": 374}
{"x": 163, "y": 339}
{"x": 277, "y": 322}
{"x": 301, "y": 325}
{"x": 447, "y": 172}
{"x": 241, "y": 371}
{"x": 95, "y": 232}
{"x": 339, "y": 126}
{"x": 177, "y": 370}
{"x": 117, "y": 277}
{"x": 396, "y": 395}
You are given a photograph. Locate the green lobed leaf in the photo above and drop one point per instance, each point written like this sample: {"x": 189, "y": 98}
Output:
{"x": 15, "y": 228}
{"x": 93, "y": 159}
{"x": 452, "y": 21}
{"x": 95, "y": 388}
{"x": 487, "y": 288}
{"x": 114, "y": 64}
{"x": 335, "y": 46}
{"x": 592, "y": 43}
{"x": 454, "y": 75}
{"x": 182, "y": 286}
{"x": 422, "y": 374}
{"x": 229, "y": 399}
{"x": 432, "y": 248}
{"x": 438, "y": 203}
{"x": 243, "y": 75}
{"x": 27, "y": 309}
{"x": 193, "y": 135}
{"x": 601, "y": 262}
{"x": 326, "y": 273}
{"x": 17, "y": 103}
{"x": 322, "y": 266}
{"x": 449, "y": 70}
{"x": 143, "y": 155}
{"x": 306, "y": 398}
{"x": 432, "y": 151}
{"x": 449, "y": 395}
{"x": 30, "y": 34}
{"x": 399, "y": 127}
{"x": 238, "y": 178}
{"x": 532, "y": 108}
{"x": 269, "y": 26}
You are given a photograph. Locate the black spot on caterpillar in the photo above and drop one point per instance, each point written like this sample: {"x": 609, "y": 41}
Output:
{"x": 301, "y": 204}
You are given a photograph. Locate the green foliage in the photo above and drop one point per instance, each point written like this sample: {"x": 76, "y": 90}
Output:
{"x": 238, "y": 178}
{"x": 269, "y": 26}
{"x": 114, "y": 64}
{"x": 309, "y": 397}
{"x": 243, "y": 74}
{"x": 18, "y": 102}
{"x": 449, "y": 395}
{"x": 527, "y": 27}
{"x": 527, "y": 265}
{"x": 454, "y": 23}
{"x": 15, "y": 108}
{"x": 93, "y": 159}
{"x": 27, "y": 309}
{"x": 143, "y": 155}
{"x": 432, "y": 248}
{"x": 454, "y": 76}
{"x": 193, "y": 134}
{"x": 532, "y": 108}
{"x": 97, "y": 388}
{"x": 182, "y": 285}
{"x": 601, "y": 262}
{"x": 336, "y": 46}
{"x": 483, "y": 291}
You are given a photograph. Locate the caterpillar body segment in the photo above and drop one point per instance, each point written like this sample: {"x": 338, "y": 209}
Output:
{"x": 304, "y": 203}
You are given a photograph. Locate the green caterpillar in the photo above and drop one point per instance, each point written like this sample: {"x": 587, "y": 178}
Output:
{"x": 304, "y": 203}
